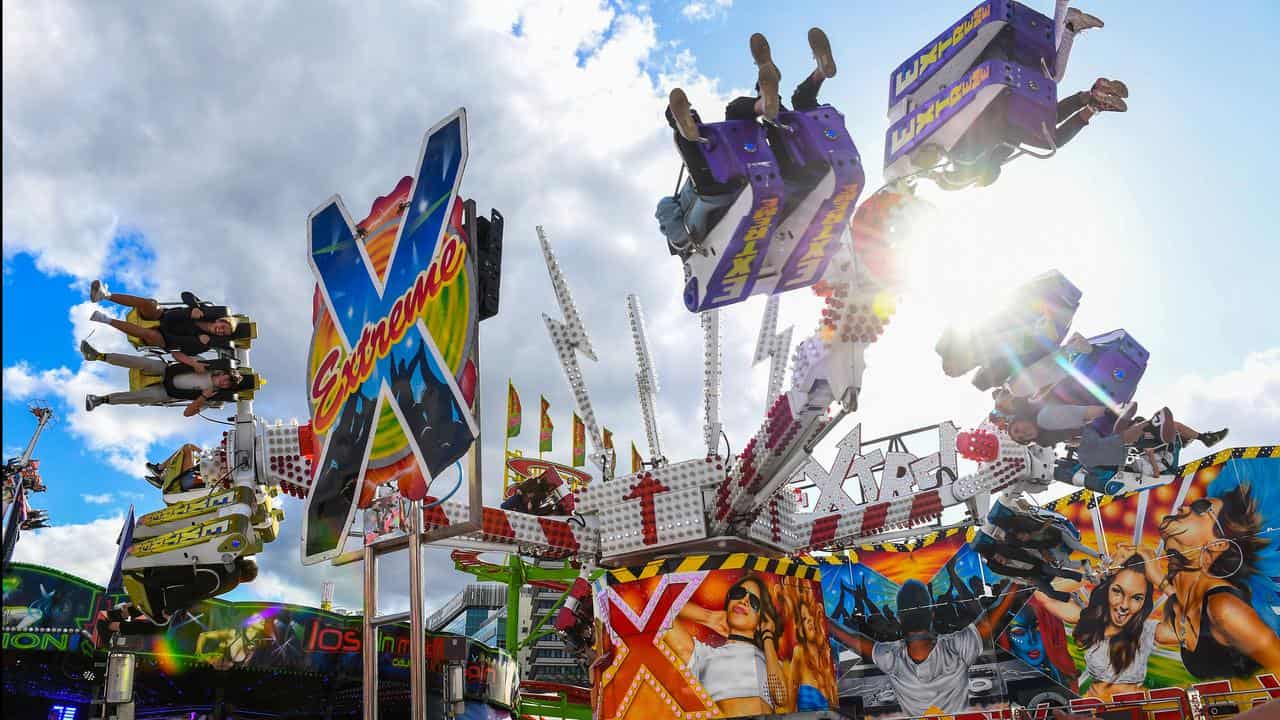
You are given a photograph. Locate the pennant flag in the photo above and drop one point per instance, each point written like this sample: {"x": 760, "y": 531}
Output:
{"x": 579, "y": 442}
{"x": 513, "y": 411}
{"x": 116, "y": 584}
{"x": 545, "y": 427}
{"x": 608, "y": 439}
{"x": 637, "y": 462}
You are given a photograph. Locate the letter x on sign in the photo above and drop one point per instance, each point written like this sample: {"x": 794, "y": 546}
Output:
{"x": 409, "y": 373}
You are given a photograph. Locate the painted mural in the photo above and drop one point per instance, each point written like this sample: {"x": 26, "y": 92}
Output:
{"x": 1188, "y": 595}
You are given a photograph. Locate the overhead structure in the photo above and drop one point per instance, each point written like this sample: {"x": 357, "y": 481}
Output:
{"x": 646, "y": 378}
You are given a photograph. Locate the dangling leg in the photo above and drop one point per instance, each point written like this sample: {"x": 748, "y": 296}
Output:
{"x": 153, "y": 395}
{"x": 148, "y": 336}
{"x": 1075, "y": 111}
{"x": 805, "y": 96}
{"x": 768, "y": 78}
{"x": 1074, "y": 22}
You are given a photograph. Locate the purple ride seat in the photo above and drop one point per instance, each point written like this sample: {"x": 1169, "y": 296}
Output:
{"x": 994, "y": 30}
{"x": 995, "y": 102}
{"x": 727, "y": 265}
{"x": 1114, "y": 367}
{"x": 818, "y": 152}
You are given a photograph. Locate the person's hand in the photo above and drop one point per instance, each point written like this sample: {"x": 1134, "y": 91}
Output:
{"x": 197, "y": 313}
{"x": 767, "y": 626}
{"x": 199, "y": 367}
{"x": 207, "y": 393}
{"x": 1126, "y": 551}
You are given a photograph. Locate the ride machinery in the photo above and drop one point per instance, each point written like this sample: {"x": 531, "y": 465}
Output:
{"x": 720, "y": 540}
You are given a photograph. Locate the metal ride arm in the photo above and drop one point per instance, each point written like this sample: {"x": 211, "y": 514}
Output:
{"x": 711, "y": 364}
{"x": 569, "y": 337}
{"x": 646, "y": 378}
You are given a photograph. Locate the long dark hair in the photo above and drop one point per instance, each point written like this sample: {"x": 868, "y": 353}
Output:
{"x": 766, "y": 603}
{"x": 1239, "y": 522}
{"x": 1092, "y": 627}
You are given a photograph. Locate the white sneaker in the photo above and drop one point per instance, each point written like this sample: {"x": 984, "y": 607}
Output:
{"x": 100, "y": 317}
{"x": 98, "y": 291}
{"x": 1078, "y": 21}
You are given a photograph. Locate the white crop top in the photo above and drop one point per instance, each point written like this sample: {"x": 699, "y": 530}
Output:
{"x": 736, "y": 669}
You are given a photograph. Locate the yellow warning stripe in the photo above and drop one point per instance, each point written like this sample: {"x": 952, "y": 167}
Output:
{"x": 1218, "y": 458}
{"x": 807, "y": 568}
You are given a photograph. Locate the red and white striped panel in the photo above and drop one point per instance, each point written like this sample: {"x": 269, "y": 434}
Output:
{"x": 834, "y": 530}
{"x": 537, "y": 536}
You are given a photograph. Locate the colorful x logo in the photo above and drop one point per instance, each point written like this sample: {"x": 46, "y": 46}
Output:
{"x": 390, "y": 355}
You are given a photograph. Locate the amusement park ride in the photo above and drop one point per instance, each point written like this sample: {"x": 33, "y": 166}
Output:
{"x": 394, "y": 388}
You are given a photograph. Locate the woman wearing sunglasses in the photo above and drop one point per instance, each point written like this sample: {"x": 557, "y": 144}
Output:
{"x": 1211, "y": 549}
{"x": 742, "y": 674}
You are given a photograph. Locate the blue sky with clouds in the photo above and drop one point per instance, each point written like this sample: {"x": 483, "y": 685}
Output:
{"x": 187, "y": 150}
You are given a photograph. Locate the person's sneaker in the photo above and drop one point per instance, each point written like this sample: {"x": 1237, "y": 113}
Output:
{"x": 100, "y": 317}
{"x": 770, "y": 78}
{"x": 156, "y": 468}
{"x": 93, "y": 401}
{"x": 1078, "y": 21}
{"x": 98, "y": 291}
{"x": 682, "y": 111}
{"x": 189, "y": 299}
{"x": 760, "y": 51}
{"x": 1111, "y": 87}
{"x": 1213, "y": 438}
{"x": 1106, "y": 102}
{"x": 1124, "y": 417}
{"x": 821, "y": 47}
{"x": 89, "y": 352}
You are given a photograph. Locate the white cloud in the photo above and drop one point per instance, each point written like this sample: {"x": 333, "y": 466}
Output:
{"x": 103, "y": 499}
{"x": 706, "y": 9}
{"x": 86, "y": 550}
{"x": 1246, "y": 399}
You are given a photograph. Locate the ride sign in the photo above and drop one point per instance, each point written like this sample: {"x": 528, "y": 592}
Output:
{"x": 391, "y": 355}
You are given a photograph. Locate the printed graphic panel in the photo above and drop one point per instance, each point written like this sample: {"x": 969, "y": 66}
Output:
{"x": 740, "y": 639}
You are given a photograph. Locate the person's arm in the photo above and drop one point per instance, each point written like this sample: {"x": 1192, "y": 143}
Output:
{"x": 1236, "y": 624}
{"x": 987, "y": 623}
{"x": 1066, "y": 611}
{"x": 1151, "y": 564}
{"x": 779, "y": 681}
{"x": 679, "y": 639}
{"x": 856, "y": 641}
{"x": 193, "y": 363}
{"x": 195, "y": 406}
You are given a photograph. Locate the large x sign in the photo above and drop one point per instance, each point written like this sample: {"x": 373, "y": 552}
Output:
{"x": 390, "y": 354}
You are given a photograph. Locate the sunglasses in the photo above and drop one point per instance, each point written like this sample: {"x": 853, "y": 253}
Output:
{"x": 1201, "y": 506}
{"x": 740, "y": 592}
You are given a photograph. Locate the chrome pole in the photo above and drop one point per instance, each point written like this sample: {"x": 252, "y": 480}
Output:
{"x": 417, "y": 629}
{"x": 369, "y": 648}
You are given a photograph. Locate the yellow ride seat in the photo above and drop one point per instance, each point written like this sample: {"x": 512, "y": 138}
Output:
{"x": 139, "y": 381}
{"x": 137, "y": 319}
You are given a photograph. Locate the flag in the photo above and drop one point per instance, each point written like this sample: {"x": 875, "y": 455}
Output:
{"x": 579, "y": 442}
{"x": 545, "y": 427}
{"x": 637, "y": 462}
{"x": 116, "y": 584}
{"x": 608, "y": 439}
{"x": 513, "y": 411}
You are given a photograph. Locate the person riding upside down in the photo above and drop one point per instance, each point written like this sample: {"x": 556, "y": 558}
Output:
{"x": 198, "y": 384}
{"x": 686, "y": 217}
{"x": 184, "y": 331}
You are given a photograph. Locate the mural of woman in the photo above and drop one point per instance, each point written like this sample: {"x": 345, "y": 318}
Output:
{"x": 1212, "y": 547}
{"x": 1116, "y": 629}
{"x": 811, "y": 672}
{"x": 742, "y": 675}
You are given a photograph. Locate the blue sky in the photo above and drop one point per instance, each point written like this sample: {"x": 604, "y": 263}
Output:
{"x": 1162, "y": 215}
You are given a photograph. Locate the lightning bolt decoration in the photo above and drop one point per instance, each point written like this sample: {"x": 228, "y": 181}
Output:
{"x": 646, "y": 378}
{"x": 773, "y": 346}
{"x": 569, "y": 338}
{"x": 711, "y": 362}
